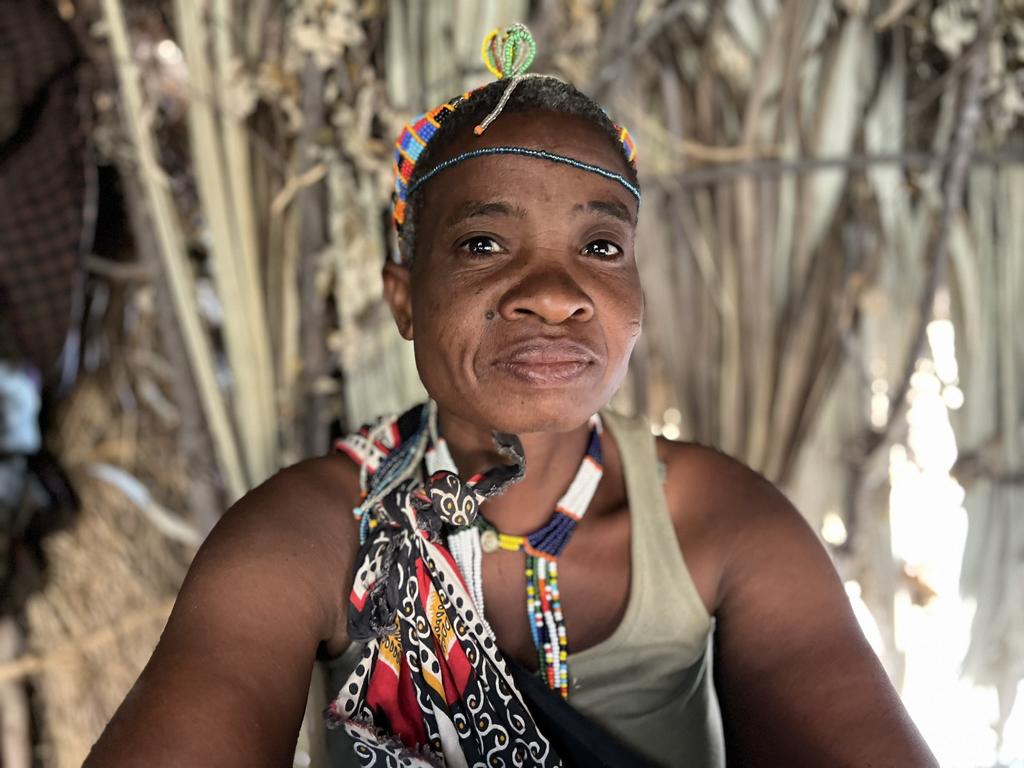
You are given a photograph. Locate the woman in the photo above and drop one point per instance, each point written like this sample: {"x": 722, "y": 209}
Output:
{"x": 517, "y": 284}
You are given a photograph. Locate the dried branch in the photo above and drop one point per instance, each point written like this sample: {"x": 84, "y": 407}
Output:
{"x": 117, "y": 271}
{"x": 232, "y": 251}
{"x": 767, "y": 168}
{"x": 638, "y": 43}
{"x": 986, "y": 462}
{"x": 890, "y": 16}
{"x": 957, "y": 162}
{"x": 172, "y": 252}
{"x": 15, "y": 720}
{"x": 309, "y": 210}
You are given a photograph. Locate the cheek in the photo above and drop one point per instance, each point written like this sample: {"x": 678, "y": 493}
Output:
{"x": 447, "y": 315}
{"x": 622, "y": 330}
{"x": 450, "y": 305}
{"x": 627, "y": 299}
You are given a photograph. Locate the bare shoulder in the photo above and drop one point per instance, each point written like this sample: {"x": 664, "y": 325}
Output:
{"x": 718, "y": 505}
{"x": 719, "y": 484}
{"x": 332, "y": 480}
{"x": 303, "y": 509}
{"x": 227, "y": 682}
{"x": 787, "y": 644}
{"x": 299, "y": 521}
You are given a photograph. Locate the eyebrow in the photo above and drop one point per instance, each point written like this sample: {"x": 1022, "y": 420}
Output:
{"x": 607, "y": 208}
{"x": 475, "y": 208}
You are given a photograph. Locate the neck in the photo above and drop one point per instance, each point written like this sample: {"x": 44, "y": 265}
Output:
{"x": 552, "y": 460}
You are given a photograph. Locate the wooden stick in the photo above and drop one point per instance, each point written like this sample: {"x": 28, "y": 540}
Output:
{"x": 958, "y": 160}
{"x": 172, "y": 252}
{"x": 243, "y": 249}
{"x": 15, "y": 739}
{"x": 211, "y": 180}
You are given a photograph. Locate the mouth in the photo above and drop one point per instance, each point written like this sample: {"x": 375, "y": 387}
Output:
{"x": 547, "y": 362}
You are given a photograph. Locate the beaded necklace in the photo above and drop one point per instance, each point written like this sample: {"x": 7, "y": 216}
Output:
{"x": 541, "y": 548}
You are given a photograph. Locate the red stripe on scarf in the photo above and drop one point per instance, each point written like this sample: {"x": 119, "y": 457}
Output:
{"x": 455, "y": 667}
{"x": 395, "y": 699}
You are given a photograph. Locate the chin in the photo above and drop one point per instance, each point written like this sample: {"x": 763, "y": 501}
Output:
{"x": 544, "y": 410}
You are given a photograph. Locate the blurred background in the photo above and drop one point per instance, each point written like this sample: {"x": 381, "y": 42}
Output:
{"x": 194, "y": 210}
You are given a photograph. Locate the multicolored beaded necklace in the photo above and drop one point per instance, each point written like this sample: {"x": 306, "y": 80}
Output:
{"x": 541, "y": 548}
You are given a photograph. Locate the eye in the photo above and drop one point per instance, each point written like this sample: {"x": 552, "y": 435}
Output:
{"x": 604, "y": 249}
{"x": 480, "y": 245}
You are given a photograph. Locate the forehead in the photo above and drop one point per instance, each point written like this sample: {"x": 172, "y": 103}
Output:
{"x": 529, "y": 180}
{"x": 569, "y": 135}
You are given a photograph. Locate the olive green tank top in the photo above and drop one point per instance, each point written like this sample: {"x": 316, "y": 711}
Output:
{"x": 650, "y": 682}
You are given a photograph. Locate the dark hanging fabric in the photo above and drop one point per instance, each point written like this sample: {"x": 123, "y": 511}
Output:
{"x": 43, "y": 185}
{"x": 578, "y": 740}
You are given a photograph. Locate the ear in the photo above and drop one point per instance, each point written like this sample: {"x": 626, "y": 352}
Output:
{"x": 398, "y": 294}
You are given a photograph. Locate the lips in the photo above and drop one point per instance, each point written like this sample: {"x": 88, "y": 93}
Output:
{"x": 546, "y": 361}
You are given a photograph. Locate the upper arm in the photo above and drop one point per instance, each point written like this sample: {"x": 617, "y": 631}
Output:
{"x": 797, "y": 682}
{"x": 227, "y": 683}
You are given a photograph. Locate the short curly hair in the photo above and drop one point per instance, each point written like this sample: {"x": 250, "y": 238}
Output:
{"x": 547, "y": 94}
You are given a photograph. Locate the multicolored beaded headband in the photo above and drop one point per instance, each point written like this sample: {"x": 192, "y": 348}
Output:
{"x": 508, "y": 56}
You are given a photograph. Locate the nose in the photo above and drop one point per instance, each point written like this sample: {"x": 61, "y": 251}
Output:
{"x": 549, "y": 294}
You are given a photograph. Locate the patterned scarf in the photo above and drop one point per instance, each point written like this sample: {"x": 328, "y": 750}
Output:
{"x": 432, "y": 688}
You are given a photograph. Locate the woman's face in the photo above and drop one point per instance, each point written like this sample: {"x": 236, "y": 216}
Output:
{"x": 524, "y": 300}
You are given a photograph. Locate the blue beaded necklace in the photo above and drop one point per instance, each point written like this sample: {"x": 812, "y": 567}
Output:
{"x": 542, "y": 548}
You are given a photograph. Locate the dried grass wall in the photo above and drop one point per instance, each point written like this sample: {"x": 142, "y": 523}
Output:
{"x": 809, "y": 169}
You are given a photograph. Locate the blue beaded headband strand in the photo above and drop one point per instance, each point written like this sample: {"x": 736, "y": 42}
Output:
{"x": 528, "y": 152}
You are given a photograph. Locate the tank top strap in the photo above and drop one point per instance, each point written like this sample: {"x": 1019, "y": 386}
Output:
{"x": 668, "y": 600}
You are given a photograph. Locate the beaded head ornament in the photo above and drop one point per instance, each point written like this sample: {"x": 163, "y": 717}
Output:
{"x": 508, "y": 56}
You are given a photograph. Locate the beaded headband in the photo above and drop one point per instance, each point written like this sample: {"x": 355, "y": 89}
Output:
{"x": 508, "y": 56}
{"x": 527, "y": 152}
